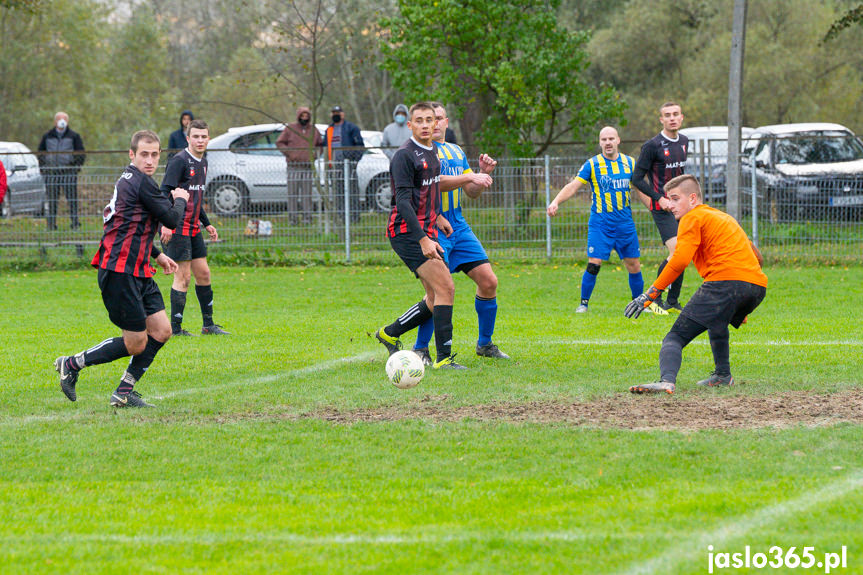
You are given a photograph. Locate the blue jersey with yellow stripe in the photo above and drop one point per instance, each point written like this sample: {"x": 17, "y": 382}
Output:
{"x": 453, "y": 162}
{"x": 609, "y": 180}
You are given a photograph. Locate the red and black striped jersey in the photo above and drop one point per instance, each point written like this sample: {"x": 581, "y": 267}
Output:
{"x": 189, "y": 173}
{"x": 131, "y": 218}
{"x": 661, "y": 159}
{"x": 415, "y": 179}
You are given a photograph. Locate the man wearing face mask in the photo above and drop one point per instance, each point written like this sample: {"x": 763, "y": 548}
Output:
{"x": 339, "y": 135}
{"x": 396, "y": 133}
{"x": 300, "y": 142}
{"x": 60, "y": 163}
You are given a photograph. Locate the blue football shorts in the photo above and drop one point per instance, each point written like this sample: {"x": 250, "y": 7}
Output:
{"x": 463, "y": 252}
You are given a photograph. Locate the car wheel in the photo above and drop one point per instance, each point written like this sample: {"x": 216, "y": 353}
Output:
{"x": 228, "y": 197}
{"x": 6, "y": 208}
{"x": 382, "y": 192}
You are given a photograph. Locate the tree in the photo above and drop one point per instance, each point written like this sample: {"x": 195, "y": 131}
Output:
{"x": 852, "y": 16}
{"x": 516, "y": 74}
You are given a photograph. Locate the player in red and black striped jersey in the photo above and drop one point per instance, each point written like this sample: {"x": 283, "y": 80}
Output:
{"x": 412, "y": 230}
{"x": 130, "y": 294}
{"x": 662, "y": 158}
{"x": 185, "y": 245}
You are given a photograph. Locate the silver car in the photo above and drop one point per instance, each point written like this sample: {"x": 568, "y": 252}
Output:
{"x": 246, "y": 169}
{"x": 26, "y": 193}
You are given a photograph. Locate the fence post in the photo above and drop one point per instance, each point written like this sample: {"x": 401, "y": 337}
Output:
{"x": 547, "y": 201}
{"x": 347, "y": 180}
{"x": 754, "y": 200}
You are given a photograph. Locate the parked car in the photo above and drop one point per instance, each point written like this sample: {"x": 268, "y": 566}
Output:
{"x": 26, "y": 193}
{"x": 246, "y": 169}
{"x": 806, "y": 170}
{"x": 707, "y": 158}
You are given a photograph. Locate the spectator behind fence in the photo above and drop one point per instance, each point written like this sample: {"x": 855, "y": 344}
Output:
{"x": 177, "y": 141}
{"x": 396, "y": 133}
{"x": 343, "y": 134}
{"x": 60, "y": 164}
{"x": 300, "y": 143}
{"x": 449, "y": 138}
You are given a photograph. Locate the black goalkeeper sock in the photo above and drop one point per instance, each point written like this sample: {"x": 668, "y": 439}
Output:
{"x": 142, "y": 361}
{"x": 107, "y": 351}
{"x": 205, "y": 300}
{"x": 443, "y": 330}
{"x": 178, "y": 304}
{"x": 413, "y": 317}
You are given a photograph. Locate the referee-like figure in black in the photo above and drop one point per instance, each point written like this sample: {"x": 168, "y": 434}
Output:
{"x": 130, "y": 294}
{"x": 662, "y": 158}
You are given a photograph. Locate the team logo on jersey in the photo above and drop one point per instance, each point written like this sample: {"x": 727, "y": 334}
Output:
{"x": 192, "y": 172}
{"x": 425, "y": 165}
{"x": 667, "y": 152}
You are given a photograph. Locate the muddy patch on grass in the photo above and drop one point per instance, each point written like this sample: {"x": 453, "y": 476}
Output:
{"x": 705, "y": 411}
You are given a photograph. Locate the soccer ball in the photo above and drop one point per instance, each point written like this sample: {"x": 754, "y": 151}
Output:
{"x": 405, "y": 369}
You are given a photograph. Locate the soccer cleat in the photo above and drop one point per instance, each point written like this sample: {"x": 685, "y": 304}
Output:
{"x": 581, "y": 309}
{"x": 448, "y": 363}
{"x": 424, "y": 354}
{"x": 131, "y": 399}
{"x": 181, "y": 332}
{"x": 656, "y": 309}
{"x": 391, "y": 343}
{"x": 68, "y": 378}
{"x": 656, "y": 387}
{"x": 716, "y": 380}
{"x": 490, "y": 350}
{"x": 673, "y": 307}
{"x": 214, "y": 329}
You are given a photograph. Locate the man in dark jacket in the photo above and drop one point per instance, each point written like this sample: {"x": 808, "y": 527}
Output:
{"x": 300, "y": 142}
{"x": 343, "y": 134}
{"x": 61, "y": 161}
{"x": 177, "y": 140}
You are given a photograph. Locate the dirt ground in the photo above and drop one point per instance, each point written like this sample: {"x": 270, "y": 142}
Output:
{"x": 710, "y": 410}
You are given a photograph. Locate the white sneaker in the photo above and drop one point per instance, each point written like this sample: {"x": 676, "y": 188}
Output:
{"x": 581, "y": 309}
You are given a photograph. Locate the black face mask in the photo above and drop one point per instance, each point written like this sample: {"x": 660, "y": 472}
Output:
{"x": 304, "y": 121}
{"x": 337, "y": 118}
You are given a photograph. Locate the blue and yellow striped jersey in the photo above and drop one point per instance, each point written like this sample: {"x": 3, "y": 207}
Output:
{"x": 609, "y": 180}
{"x": 453, "y": 162}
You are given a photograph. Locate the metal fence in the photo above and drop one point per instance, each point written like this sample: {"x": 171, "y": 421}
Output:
{"x": 339, "y": 213}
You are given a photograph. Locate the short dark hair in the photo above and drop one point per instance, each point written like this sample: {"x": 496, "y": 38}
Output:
{"x": 688, "y": 182}
{"x": 199, "y": 125}
{"x": 669, "y": 104}
{"x": 145, "y": 136}
{"x": 421, "y": 106}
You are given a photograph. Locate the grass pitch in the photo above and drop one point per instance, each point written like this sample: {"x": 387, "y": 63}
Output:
{"x": 283, "y": 449}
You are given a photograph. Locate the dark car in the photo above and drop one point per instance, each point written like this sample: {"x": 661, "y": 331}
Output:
{"x": 805, "y": 171}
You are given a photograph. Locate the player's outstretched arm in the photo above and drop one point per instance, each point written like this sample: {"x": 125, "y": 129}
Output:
{"x": 563, "y": 195}
{"x": 635, "y": 307}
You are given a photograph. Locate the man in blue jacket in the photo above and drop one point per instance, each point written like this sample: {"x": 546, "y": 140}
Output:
{"x": 177, "y": 141}
{"x": 343, "y": 134}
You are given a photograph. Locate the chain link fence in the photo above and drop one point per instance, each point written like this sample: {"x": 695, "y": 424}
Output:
{"x": 268, "y": 212}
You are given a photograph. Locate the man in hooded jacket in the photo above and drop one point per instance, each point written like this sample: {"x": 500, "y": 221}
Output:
{"x": 300, "y": 143}
{"x": 396, "y": 133}
{"x": 177, "y": 141}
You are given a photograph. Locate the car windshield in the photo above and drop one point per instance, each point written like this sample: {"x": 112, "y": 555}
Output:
{"x": 818, "y": 148}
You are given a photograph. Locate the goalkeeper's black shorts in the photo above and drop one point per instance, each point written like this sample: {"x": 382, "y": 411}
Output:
{"x": 719, "y": 303}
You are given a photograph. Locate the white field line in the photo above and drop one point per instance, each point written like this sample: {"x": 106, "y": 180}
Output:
{"x": 700, "y": 341}
{"x": 287, "y": 537}
{"x": 322, "y": 366}
{"x": 695, "y": 547}
{"x": 246, "y": 381}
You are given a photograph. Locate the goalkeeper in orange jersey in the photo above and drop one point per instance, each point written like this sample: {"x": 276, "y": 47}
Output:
{"x": 733, "y": 285}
